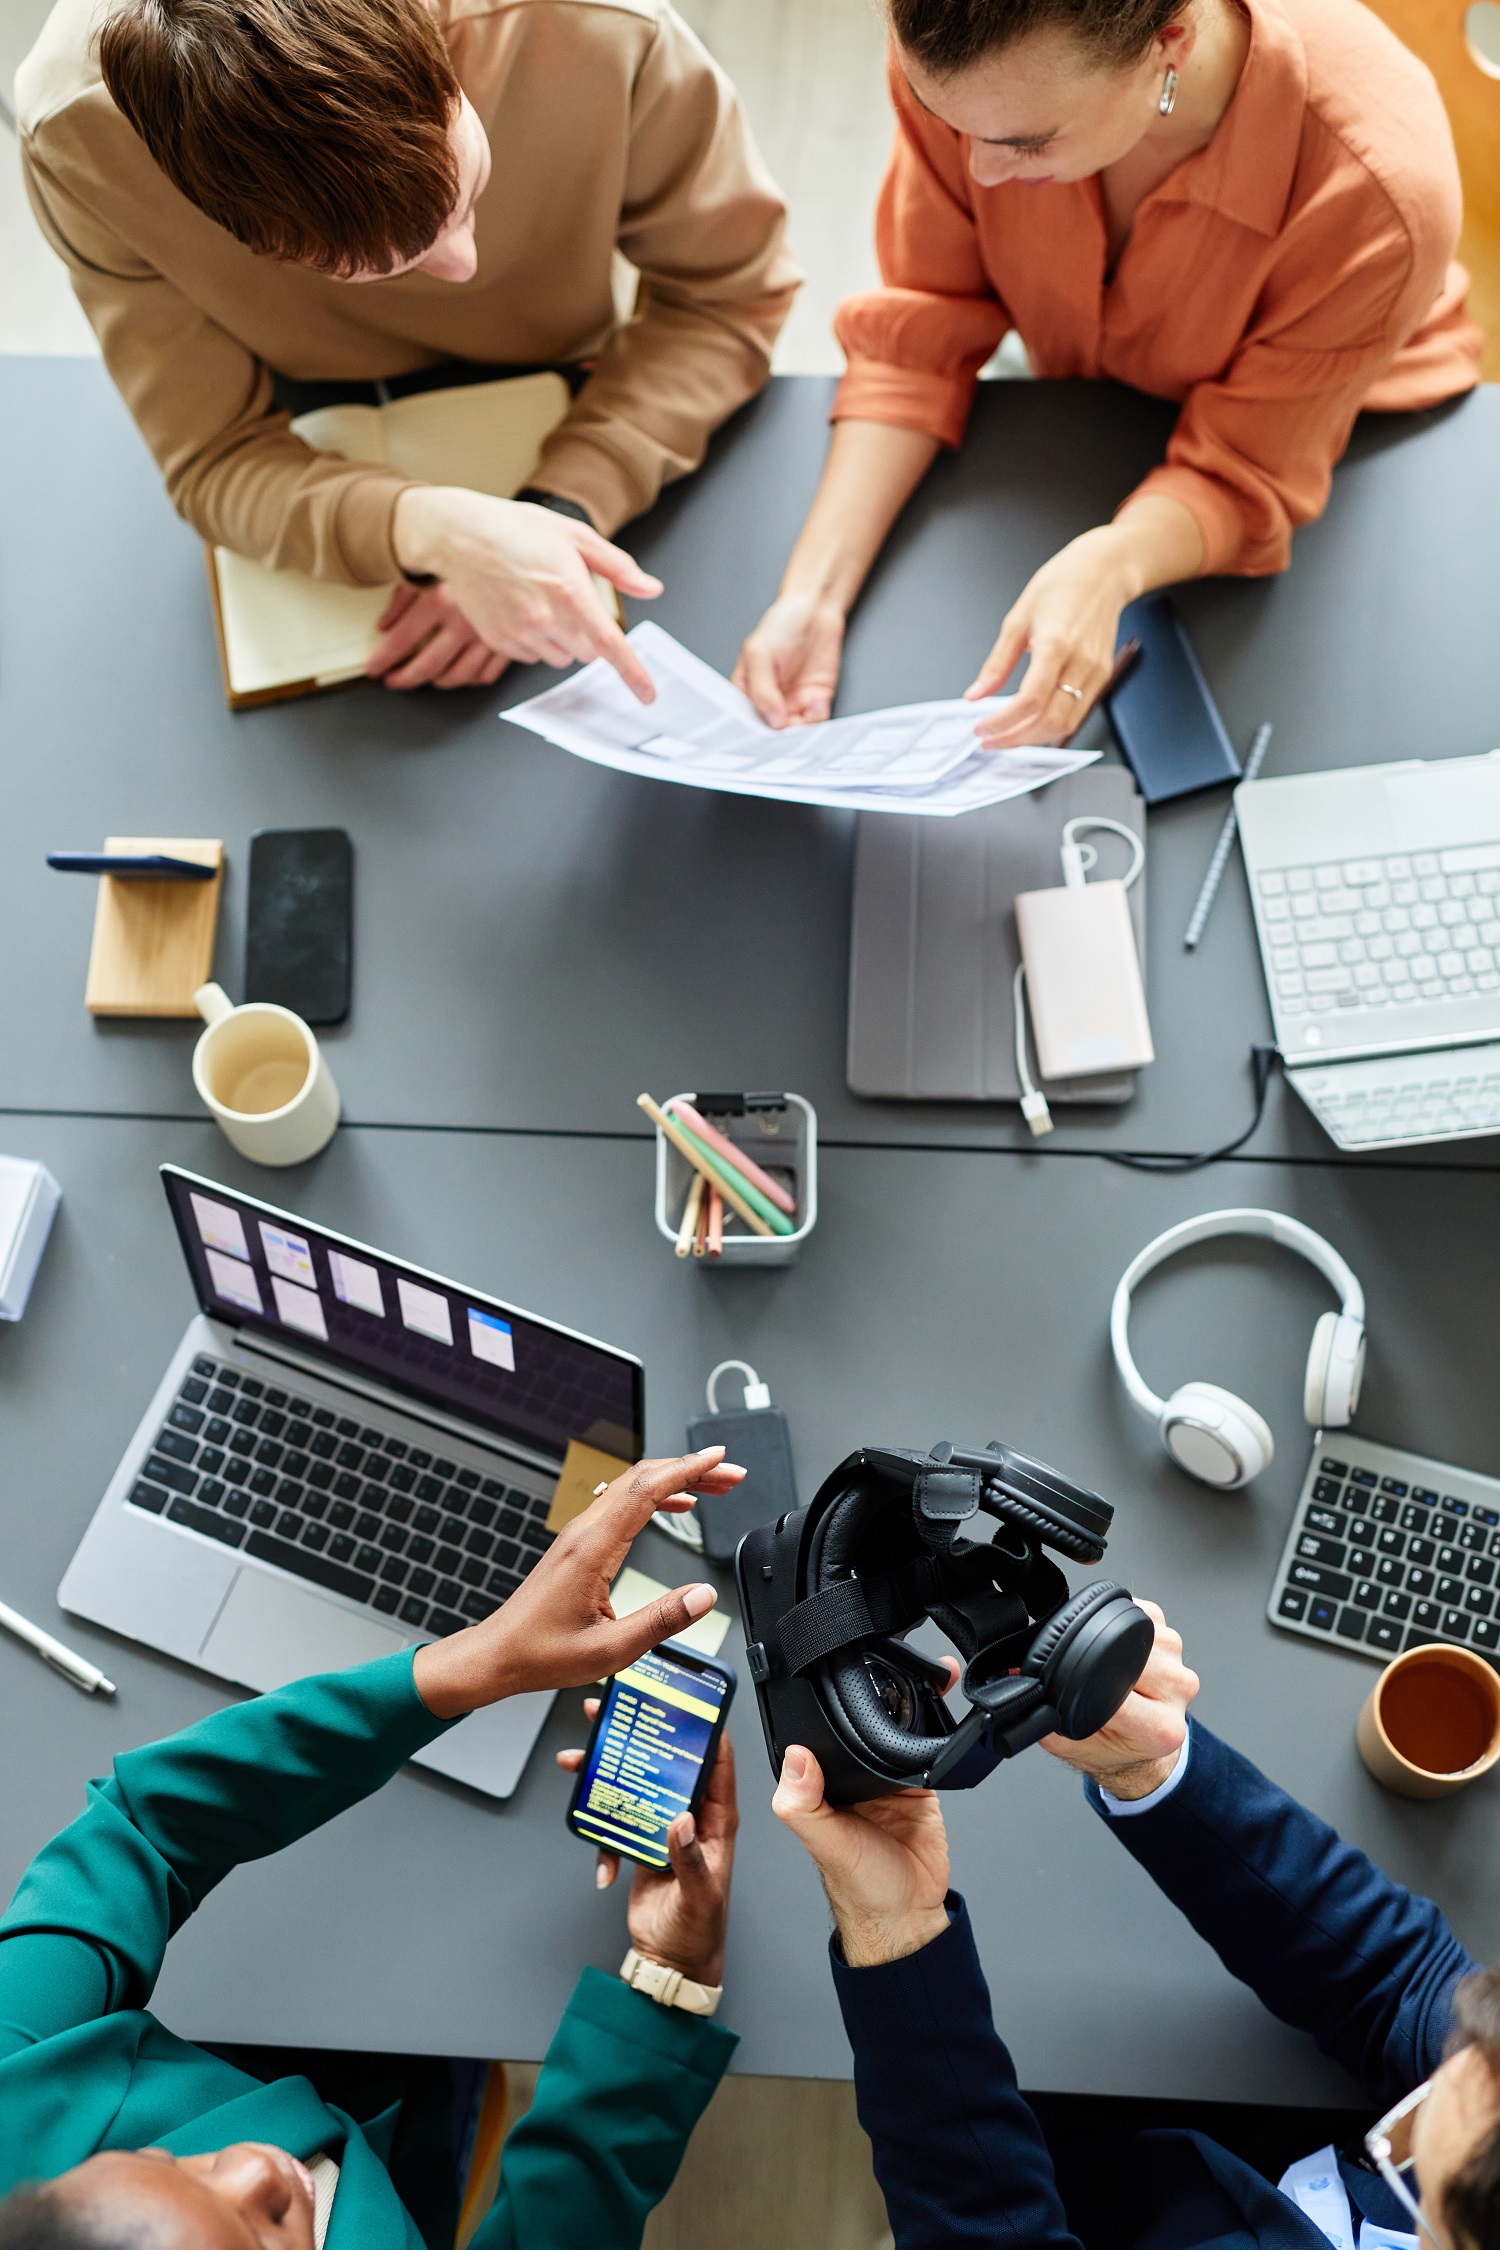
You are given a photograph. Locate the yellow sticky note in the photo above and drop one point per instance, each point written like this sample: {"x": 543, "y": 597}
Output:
{"x": 584, "y": 1466}
{"x": 632, "y": 1590}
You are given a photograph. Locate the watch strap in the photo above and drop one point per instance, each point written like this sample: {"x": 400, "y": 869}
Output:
{"x": 669, "y": 1986}
{"x": 556, "y": 502}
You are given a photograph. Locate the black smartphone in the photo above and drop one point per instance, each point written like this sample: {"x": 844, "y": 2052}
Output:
{"x": 1162, "y": 713}
{"x": 299, "y": 936}
{"x": 651, "y": 1751}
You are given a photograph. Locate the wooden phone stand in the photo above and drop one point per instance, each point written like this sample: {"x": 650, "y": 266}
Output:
{"x": 154, "y": 942}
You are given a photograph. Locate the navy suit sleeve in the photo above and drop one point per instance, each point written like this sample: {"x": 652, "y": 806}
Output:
{"x": 1326, "y": 1940}
{"x": 958, "y": 2154}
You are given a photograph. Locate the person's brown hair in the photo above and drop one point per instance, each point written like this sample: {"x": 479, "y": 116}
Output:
{"x": 1471, "y": 2203}
{"x": 947, "y": 36}
{"x": 311, "y": 130}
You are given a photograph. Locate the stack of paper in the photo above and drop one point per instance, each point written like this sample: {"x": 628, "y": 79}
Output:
{"x": 916, "y": 758}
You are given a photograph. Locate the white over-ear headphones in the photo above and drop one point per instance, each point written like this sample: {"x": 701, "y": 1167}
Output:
{"x": 1209, "y": 1432}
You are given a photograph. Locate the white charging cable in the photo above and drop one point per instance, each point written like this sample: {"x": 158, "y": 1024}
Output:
{"x": 757, "y": 1393}
{"x": 1077, "y": 859}
{"x": 1033, "y": 1101}
{"x": 687, "y": 1530}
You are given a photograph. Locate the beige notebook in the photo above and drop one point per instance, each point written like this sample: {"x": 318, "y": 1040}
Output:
{"x": 283, "y": 634}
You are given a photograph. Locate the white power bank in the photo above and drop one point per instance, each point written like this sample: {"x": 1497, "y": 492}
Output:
{"x": 28, "y": 1198}
{"x": 1083, "y": 980}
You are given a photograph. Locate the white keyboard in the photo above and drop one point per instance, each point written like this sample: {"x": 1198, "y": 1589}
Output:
{"x": 1393, "y": 1101}
{"x": 1372, "y": 933}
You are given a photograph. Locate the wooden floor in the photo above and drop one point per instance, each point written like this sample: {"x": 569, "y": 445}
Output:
{"x": 776, "y": 2164}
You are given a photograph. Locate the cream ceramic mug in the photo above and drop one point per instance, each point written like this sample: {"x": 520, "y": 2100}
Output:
{"x": 263, "y": 1074}
{"x": 1431, "y": 1722}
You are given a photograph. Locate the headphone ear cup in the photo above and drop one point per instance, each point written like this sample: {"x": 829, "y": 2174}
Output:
{"x": 1215, "y": 1436}
{"x": 1089, "y": 1656}
{"x": 1335, "y": 1371}
{"x": 1051, "y": 1635}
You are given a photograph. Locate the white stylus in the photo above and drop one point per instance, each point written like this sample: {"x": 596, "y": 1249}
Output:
{"x": 75, "y": 1668}
{"x": 1224, "y": 846}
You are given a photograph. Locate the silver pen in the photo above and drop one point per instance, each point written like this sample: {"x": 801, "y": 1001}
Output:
{"x": 72, "y": 1667}
{"x": 1225, "y": 845}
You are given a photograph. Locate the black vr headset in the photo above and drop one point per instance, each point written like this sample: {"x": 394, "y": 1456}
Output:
{"x": 829, "y": 1593}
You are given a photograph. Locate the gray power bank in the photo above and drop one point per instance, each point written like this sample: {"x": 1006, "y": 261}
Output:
{"x": 759, "y": 1440}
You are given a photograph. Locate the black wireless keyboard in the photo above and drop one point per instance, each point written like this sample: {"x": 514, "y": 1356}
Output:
{"x": 1388, "y": 1549}
{"x": 355, "y": 1510}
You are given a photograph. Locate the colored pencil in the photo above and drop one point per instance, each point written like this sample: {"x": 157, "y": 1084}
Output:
{"x": 720, "y": 1169}
{"x": 700, "y": 1235}
{"x": 723, "y": 1146}
{"x": 689, "y": 1226}
{"x": 715, "y": 1222}
{"x": 682, "y": 1141}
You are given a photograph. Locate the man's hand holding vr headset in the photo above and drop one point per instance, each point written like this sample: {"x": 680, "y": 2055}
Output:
{"x": 884, "y": 1863}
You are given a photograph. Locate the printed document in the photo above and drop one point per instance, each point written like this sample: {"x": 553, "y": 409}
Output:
{"x": 914, "y": 758}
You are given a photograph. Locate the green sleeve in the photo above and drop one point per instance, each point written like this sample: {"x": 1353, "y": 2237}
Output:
{"x": 88, "y": 1927}
{"x": 624, "y": 2083}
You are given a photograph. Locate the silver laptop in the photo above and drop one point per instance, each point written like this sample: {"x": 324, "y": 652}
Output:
{"x": 345, "y": 1457}
{"x": 1377, "y": 903}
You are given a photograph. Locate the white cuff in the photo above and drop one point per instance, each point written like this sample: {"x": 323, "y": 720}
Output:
{"x": 1124, "y": 1808}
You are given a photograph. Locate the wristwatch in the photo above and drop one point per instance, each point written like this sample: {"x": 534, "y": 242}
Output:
{"x": 669, "y": 1986}
{"x": 556, "y": 502}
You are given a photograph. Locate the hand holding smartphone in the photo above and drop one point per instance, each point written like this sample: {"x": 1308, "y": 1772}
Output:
{"x": 680, "y": 1909}
{"x": 652, "y": 1748}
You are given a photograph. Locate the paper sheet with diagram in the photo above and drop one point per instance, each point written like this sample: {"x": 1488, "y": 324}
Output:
{"x": 913, "y": 758}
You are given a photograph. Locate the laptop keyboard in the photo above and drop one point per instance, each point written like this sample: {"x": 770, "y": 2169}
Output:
{"x": 1388, "y": 1549}
{"x": 354, "y": 1510}
{"x": 1374, "y": 933}
{"x": 1391, "y": 1101}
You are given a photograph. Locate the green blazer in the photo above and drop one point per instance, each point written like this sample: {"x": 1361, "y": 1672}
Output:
{"x": 85, "y": 2066}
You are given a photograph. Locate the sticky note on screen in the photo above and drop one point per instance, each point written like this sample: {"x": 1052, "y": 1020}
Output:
{"x": 584, "y": 1466}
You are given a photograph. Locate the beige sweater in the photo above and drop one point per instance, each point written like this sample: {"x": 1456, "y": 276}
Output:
{"x": 610, "y": 128}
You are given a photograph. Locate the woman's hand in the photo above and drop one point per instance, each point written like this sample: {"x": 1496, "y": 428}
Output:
{"x": 678, "y": 1914}
{"x": 426, "y": 641}
{"x": 558, "y": 1629}
{"x": 884, "y": 1864}
{"x": 1068, "y": 619}
{"x": 1137, "y": 1751}
{"x": 520, "y": 576}
{"x": 789, "y": 666}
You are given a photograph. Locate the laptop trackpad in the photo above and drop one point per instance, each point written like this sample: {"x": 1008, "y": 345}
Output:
{"x": 269, "y": 1632}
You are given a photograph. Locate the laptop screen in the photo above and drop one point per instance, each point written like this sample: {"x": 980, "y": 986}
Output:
{"x": 259, "y": 1268}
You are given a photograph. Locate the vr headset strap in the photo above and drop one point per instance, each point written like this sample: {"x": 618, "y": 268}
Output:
{"x": 958, "y": 1590}
{"x": 855, "y": 1609}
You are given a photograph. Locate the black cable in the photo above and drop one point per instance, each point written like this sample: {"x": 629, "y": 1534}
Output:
{"x": 1263, "y": 1061}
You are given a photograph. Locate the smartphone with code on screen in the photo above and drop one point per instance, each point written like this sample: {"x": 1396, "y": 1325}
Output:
{"x": 651, "y": 1751}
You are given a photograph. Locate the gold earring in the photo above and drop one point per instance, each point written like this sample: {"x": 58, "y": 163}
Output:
{"x": 1168, "y": 100}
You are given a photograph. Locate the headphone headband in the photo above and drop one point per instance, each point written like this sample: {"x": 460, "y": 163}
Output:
{"x": 1271, "y": 1226}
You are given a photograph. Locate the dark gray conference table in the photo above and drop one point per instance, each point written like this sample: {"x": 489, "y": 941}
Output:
{"x": 433, "y": 1920}
{"x": 538, "y": 939}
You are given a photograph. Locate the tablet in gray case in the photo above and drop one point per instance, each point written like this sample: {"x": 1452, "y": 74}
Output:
{"x": 933, "y": 948}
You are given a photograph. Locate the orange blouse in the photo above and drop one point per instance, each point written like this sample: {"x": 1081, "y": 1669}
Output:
{"x": 1292, "y": 272}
